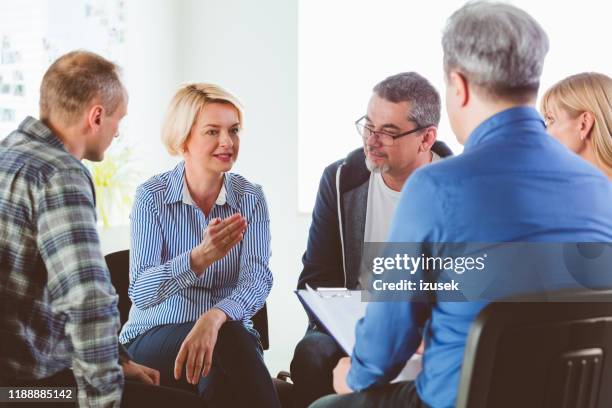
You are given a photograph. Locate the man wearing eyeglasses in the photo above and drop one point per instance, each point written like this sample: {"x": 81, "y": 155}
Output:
{"x": 355, "y": 204}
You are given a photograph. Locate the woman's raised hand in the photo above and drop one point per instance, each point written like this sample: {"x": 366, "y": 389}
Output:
{"x": 219, "y": 237}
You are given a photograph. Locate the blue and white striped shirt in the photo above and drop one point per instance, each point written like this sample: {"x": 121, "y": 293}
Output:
{"x": 165, "y": 226}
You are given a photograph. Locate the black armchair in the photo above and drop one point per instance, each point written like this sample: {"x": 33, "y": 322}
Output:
{"x": 553, "y": 354}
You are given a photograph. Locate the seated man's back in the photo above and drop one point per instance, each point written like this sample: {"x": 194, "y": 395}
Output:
{"x": 59, "y": 309}
{"x": 514, "y": 186}
{"x": 51, "y": 268}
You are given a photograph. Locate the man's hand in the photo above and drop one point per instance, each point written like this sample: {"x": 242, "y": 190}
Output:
{"x": 137, "y": 372}
{"x": 220, "y": 236}
{"x": 197, "y": 348}
{"x": 340, "y": 373}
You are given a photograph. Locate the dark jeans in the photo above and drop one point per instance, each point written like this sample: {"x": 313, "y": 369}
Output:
{"x": 238, "y": 376}
{"x": 402, "y": 394}
{"x": 135, "y": 394}
{"x": 314, "y": 359}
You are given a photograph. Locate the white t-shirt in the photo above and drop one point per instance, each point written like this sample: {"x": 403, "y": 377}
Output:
{"x": 382, "y": 202}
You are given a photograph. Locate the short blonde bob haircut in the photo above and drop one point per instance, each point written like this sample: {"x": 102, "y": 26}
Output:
{"x": 184, "y": 108}
{"x": 586, "y": 92}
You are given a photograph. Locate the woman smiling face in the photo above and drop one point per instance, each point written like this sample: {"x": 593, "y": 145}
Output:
{"x": 214, "y": 140}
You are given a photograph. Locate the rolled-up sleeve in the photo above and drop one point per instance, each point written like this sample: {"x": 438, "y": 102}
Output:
{"x": 255, "y": 277}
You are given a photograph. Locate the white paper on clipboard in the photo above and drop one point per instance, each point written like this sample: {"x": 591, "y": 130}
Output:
{"x": 338, "y": 311}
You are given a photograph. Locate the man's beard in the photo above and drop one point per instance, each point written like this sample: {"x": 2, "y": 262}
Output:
{"x": 374, "y": 168}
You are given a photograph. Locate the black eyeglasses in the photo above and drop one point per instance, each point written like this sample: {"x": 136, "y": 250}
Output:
{"x": 385, "y": 138}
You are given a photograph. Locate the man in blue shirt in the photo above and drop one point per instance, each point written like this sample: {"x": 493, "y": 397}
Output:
{"x": 513, "y": 183}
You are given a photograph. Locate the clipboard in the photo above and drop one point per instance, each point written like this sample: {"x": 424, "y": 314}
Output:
{"x": 338, "y": 310}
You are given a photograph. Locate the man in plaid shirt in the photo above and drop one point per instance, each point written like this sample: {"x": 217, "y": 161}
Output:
{"x": 58, "y": 308}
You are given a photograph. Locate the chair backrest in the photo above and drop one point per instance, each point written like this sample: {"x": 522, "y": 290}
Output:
{"x": 553, "y": 354}
{"x": 260, "y": 322}
{"x": 119, "y": 266}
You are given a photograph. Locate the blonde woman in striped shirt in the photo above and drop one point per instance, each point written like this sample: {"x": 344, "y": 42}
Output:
{"x": 199, "y": 259}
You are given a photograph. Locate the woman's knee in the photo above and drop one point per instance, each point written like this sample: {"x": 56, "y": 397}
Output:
{"x": 235, "y": 336}
{"x": 166, "y": 339}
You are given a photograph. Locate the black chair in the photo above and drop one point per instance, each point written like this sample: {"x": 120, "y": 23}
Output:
{"x": 119, "y": 266}
{"x": 554, "y": 355}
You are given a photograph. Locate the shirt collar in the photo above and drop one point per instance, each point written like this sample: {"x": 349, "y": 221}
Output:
{"x": 187, "y": 199}
{"x": 177, "y": 189}
{"x": 38, "y": 129}
{"x": 489, "y": 128}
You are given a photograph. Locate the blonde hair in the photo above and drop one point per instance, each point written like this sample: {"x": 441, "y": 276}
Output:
{"x": 586, "y": 92}
{"x": 76, "y": 79}
{"x": 184, "y": 108}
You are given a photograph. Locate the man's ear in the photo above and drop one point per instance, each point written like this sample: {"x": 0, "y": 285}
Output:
{"x": 94, "y": 116}
{"x": 587, "y": 120}
{"x": 460, "y": 87}
{"x": 429, "y": 138}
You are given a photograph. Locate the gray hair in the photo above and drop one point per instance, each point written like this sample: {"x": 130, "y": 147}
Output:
{"x": 413, "y": 88}
{"x": 498, "y": 47}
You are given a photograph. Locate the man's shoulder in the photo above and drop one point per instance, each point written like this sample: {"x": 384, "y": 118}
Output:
{"x": 35, "y": 159}
{"x": 446, "y": 171}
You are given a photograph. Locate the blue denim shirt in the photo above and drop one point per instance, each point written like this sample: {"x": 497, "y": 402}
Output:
{"x": 512, "y": 183}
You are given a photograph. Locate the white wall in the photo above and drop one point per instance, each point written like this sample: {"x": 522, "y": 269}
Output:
{"x": 385, "y": 37}
{"x": 151, "y": 72}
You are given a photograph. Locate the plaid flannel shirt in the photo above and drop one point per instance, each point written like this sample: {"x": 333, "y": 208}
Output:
{"x": 58, "y": 308}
